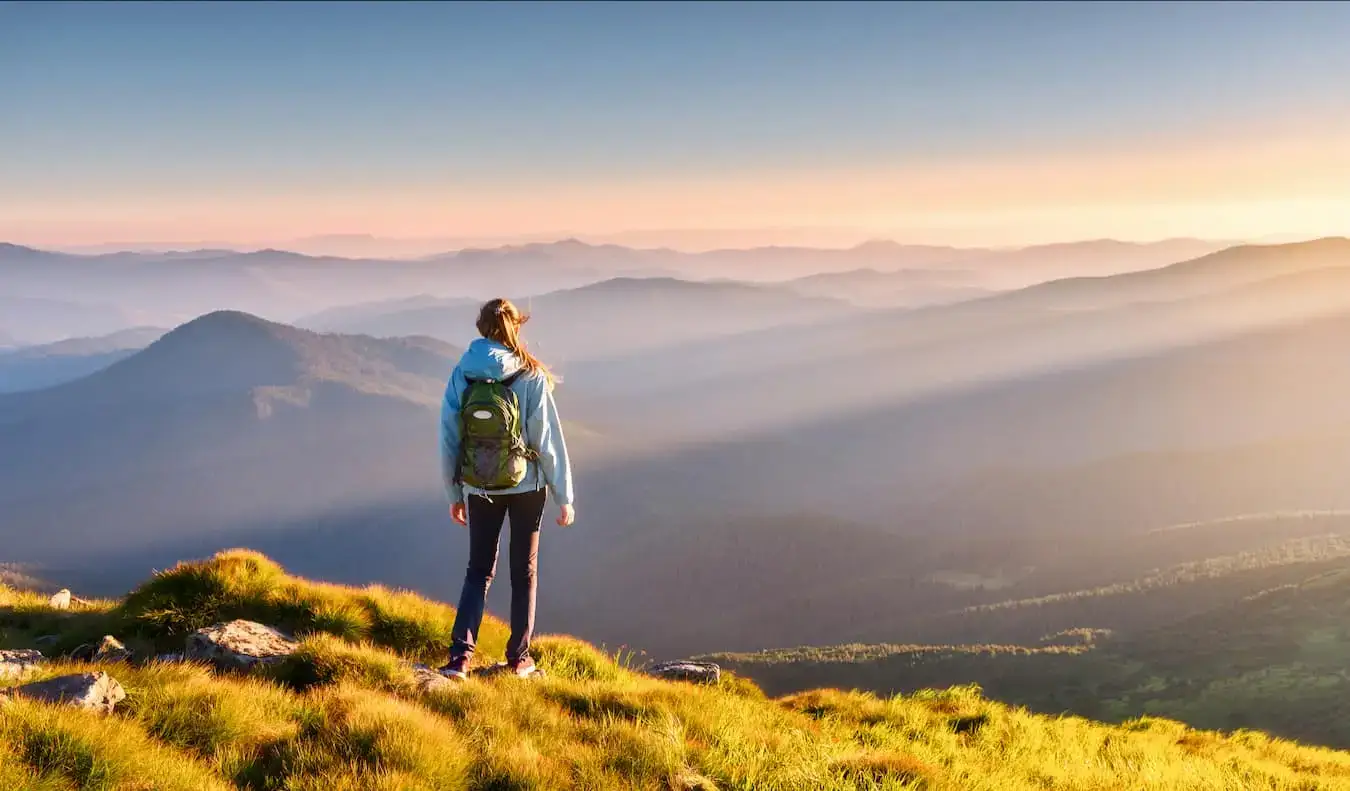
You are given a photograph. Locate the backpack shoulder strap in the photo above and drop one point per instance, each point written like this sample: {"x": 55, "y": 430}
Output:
{"x": 506, "y": 382}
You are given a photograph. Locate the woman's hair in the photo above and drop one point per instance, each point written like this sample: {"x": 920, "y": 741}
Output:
{"x": 499, "y": 320}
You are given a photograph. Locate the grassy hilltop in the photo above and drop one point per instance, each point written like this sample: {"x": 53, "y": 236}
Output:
{"x": 344, "y": 714}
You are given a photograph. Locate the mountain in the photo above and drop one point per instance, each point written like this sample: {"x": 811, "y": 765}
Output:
{"x": 1225, "y": 269}
{"x": 333, "y": 319}
{"x": 39, "y": 320}
{"x": 223, "y": 421}
{"x": 36, "y": 367}
{"x": 905, "y": 288}
{"x": 1097, "y": 258}
{"x": 1057, "y": 470}
{"x": 944, "y": 349}
{"x": 616, "y": 316}
{"x": 346, "y": 709}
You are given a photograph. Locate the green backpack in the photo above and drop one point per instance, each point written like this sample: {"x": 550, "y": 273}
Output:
{"x": 494, "y": 454}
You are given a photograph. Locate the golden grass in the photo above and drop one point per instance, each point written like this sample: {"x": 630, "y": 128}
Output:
{"x": 344, "y": 714}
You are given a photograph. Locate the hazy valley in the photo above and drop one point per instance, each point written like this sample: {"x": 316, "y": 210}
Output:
{"x": 949, "y": 449}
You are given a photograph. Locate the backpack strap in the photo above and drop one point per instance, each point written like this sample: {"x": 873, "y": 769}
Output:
{"x": 507, "y": 382}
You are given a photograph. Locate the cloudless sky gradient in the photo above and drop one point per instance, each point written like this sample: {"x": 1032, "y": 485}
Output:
{"x": 973, "y": 123}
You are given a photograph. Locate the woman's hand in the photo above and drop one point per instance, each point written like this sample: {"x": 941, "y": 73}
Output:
{"x": 566, "y": 516}
{"x": 460, "y": 514}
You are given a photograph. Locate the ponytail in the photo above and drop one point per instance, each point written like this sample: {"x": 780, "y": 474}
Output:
{"x": 499, "y": 320}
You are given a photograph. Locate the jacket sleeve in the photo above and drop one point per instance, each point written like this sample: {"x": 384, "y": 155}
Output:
{"x": 544, "y": 427}
{"x": 454, "y": 390}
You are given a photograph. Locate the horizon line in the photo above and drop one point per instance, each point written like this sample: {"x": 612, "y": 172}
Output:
{"x": 294, "y": 246}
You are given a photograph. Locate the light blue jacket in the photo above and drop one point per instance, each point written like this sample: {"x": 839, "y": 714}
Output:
{"x": 486, "y": 359}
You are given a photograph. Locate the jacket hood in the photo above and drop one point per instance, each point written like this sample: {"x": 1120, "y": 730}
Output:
{"x": 486, "y": 359}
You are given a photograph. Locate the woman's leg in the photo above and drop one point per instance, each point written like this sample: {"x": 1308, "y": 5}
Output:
{"x": 485, "y": 528}
{"x": 527, "y": 511}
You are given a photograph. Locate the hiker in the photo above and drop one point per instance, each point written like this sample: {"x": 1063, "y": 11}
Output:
{"x": 502, "y": 454}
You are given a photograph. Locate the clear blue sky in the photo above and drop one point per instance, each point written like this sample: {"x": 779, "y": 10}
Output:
{"x": 146, "y": 103}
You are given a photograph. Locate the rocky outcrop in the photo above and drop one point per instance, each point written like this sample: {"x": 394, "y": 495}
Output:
{"x": 695, "y": 672}
{"x": 14, "y": 665}
{"x": 91, "y": 691}
{"x": 239, "y": 645}
{"x": 109, "y": 649}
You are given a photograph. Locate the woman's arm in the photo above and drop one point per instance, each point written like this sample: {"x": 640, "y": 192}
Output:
{"x": 544, "y": 426}
{"x": 450, "y": 441}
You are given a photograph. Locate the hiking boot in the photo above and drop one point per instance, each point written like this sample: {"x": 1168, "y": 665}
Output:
{"x": 457, "y": 669}
{"x": 523, "y": 667}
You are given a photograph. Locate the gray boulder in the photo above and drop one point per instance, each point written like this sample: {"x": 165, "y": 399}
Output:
{"x": 109, "y": 649}
{"x": 91, "y": 691}
{"x": 14, "y": 665}
{"x": 695, "y": 672}
{"x": 239, "y": 645}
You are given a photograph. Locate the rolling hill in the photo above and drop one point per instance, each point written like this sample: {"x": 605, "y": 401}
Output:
{"x": 612, "y": 317}
{"x": 36, "y": 367}
{"x": 908, "y": 288}
{"x": 39, "y": 320}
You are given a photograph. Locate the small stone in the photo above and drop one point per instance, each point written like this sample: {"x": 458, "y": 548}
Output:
{"x": 109, "y": 649}
{"x": 15, "y": 665}
{"x": 696, "y": 672}
{"x": 91, "y": 691}
{"x": 428, "y": 680}
{"x": 61, "y": 599}
{"x": 239, "y": 645}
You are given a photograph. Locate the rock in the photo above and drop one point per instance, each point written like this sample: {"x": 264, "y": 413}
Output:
{"x": 109, "y": 649}
{"x": 47, "y": 639}
{"x": 91, "y": 691}
{"x": 428, "y": 680}
{"x": 15, "y": 665}
{"x": 169, "y": 659}
{"x": 239, "y": 645}
{"x": 61, "y": 599}
{"x": 696, "y": 672}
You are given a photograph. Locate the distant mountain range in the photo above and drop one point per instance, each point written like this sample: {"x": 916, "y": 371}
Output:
{"x": 164, "y": 288}
{"x": 616, "y": 316}
{"x": 862, "y": 451}
{"x": 35, "y": 367}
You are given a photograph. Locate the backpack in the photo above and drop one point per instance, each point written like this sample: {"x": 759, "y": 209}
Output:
{"x": 494, "y": 455}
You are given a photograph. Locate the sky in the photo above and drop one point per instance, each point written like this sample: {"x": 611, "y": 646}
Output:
{"x": 957, "y": 123}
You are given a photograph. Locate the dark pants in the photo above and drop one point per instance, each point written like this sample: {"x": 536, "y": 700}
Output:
{"x": 486, "y": 516}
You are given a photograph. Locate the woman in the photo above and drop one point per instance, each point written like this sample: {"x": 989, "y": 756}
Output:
{"x": 501, "y": 456}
